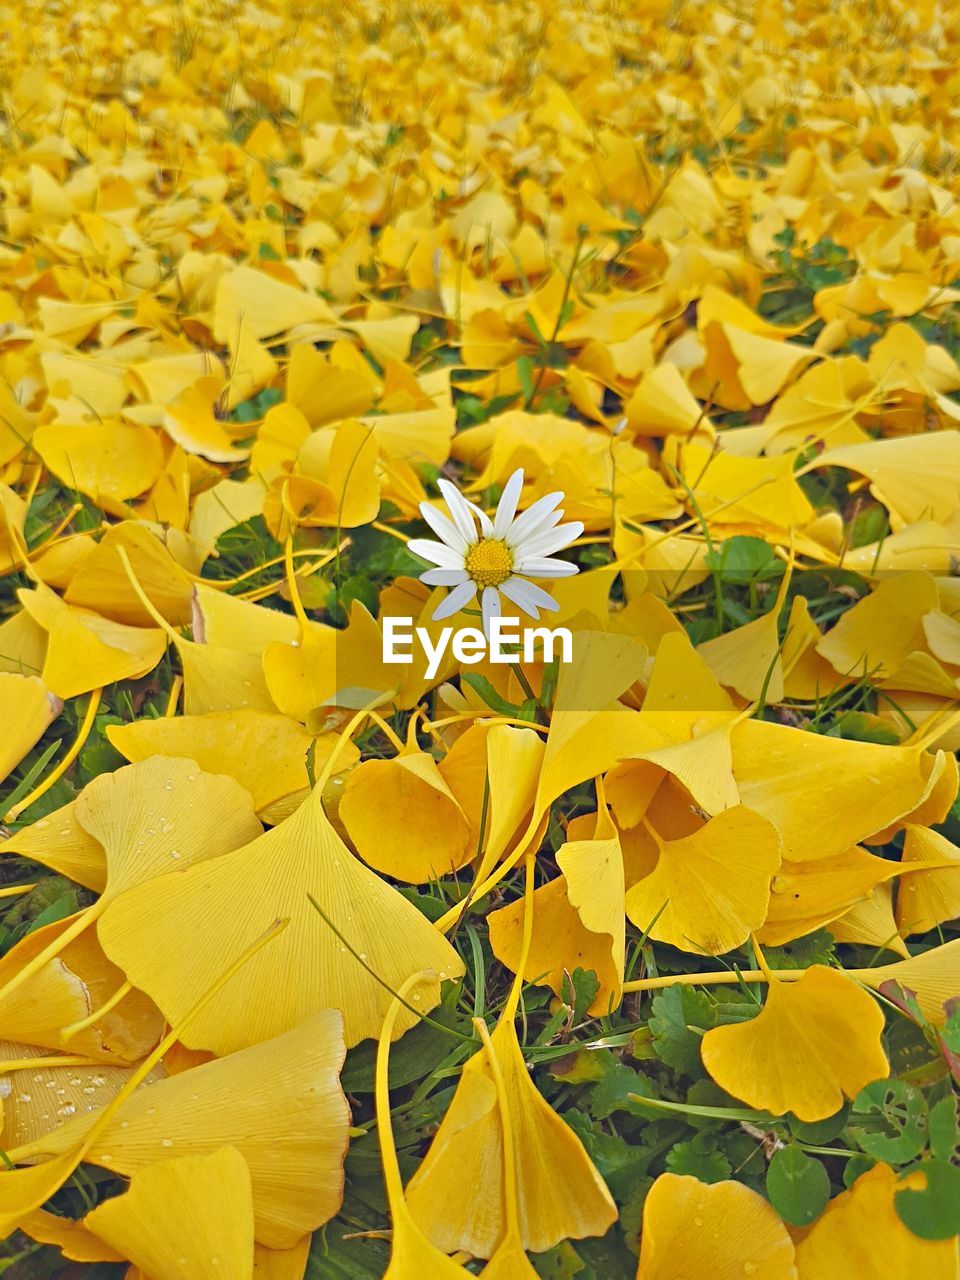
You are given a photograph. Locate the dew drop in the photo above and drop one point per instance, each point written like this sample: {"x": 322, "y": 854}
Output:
{"x": 174, "y": 853}
{"x": 68, "y": 1109}
{"x": 44, "y": 822}
{"x": 26, "y": 1097}
{"x": 65, "y": 831}
{"x": 167, "y": 1142}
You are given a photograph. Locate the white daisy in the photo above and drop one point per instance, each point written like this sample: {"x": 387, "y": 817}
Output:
{"x": 476, "y": 553}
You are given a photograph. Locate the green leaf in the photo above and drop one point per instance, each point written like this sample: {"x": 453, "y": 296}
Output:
{"x": 744, "y": 560}
{"x": 613, "y": 1093}
{"x": 525, "y": 377}
{"x": 558, "y": 1263}
{"x": 675, "y": 1011}
{"x": 932, "y": 1212}
{"x": 817, "y": 1132}
{"x": 699, "y": 1158}
{"x": 798, "y": 1186}
{"x": 64, "y": 906}
{"x": 889, "y": 1121}
{"x": 579, "y": 990}
{"x": 332, "y": 1257}
{"x": 943, "y": 1129}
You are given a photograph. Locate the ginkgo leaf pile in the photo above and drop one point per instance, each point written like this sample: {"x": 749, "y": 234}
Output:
{"x": 645, "y": 964}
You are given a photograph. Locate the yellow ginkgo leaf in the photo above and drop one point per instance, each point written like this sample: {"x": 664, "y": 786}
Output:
{"x": 215, "y": 677}
{"x": 860, "y": 1236}
{"x": 281, "y": 1264}
{"x": 722, "y": 1230}
{"x": 79, "y": 1001}
{"x": 108, "y": 461}
{"x": 578, "y": 918}
{"x": 101, "y": 582}
{"x": 173, "y": 936}
{"x": 263, "y": 306}
{"x": 59, "y": 841}
{"x": 70, "y": 1236}
{"x": 690, "y": 746}
{"x": 13, "y": 515}
{"x": 149, "y": 817}
{"x": 514, "y": 760}
{"x": 42, "y": 1098}
{"x": 456, "y": 1195}
{"x": 859, "y": 786}
{"x": 753, "y": 491}
{"x": 558, "y": 1193}
{"x": 412, "y": 1256}
{"x": 881, "y": 630}
{"x": 912, "y": 476}
{"x": 85, "y": 650}
{"x": 264, "y": 751}
{"x": 681, "y": 680}
{"x": 807, "y": 895}
{"x": 931, "y": 897}
{"x": 709, "y": 890}
{"x": 933, "y": 976}
{"x": 942, "y": 634}
{"x": 191, "y": 420}
{"x": 871, "y": 923}
{"x": 28, "y": 708}
{"x": 411, "y": 789}
{"x": 302, "y": 675}
{"x": 229, "y": 622}
{"x": 279, "y": 1103}
{"x": 189, "y": 1216}
{"x": 814, "y": 1043}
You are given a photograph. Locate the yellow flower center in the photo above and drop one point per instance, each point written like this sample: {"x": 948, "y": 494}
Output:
{"x": 489, "y": 562}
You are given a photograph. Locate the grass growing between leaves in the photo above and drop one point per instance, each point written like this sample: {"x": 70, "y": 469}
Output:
{"x": 666, "y": 938}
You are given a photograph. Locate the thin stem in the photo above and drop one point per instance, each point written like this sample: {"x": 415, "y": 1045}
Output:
{"x": 52, "y": 1060}
{"x": 721, "y": 978}
{"x": 174, "y": 696}
{"x": 510, "y": 1184}
{"x": 56, "y": 773}
{"x": 388, "y": 1148}
{"x": 13, "y": 890}
{"x": 166, "y": 1044}
{"x": 83, "y": 920}
{"x": 123, "y": 990}
{"x": 513, "y": 999}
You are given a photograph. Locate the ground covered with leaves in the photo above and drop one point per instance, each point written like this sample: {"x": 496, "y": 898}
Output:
{"x": 644, "y": 964}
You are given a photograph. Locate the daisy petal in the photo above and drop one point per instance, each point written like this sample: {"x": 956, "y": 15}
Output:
{"x": 518, "y": 591}
{"x": 486, "y": 524}
{"x": 537, "y": 514}
{"x": 436, "y": 552}
{"x": 550, "y": 540}
{"x": 529, "y": 598}
{"x": 539, "y": 598}
{"x": 443, "y": 528}
{"x": 490, "y": 606}
{"x": 459, "y": 509}
{"x": 455, "y": 601}
{"x": 540, "y": 567}
{"x": 444, "y": 577}
{"x": 507, "y": 506}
